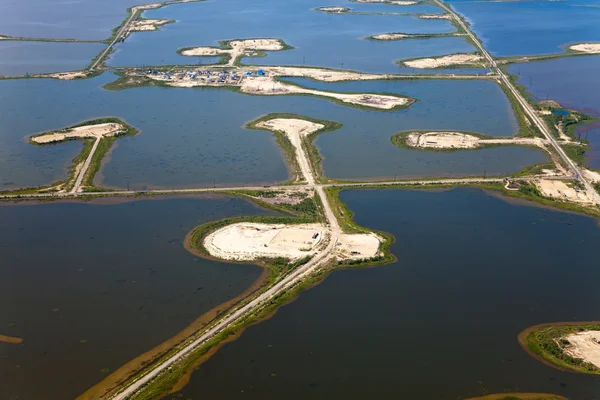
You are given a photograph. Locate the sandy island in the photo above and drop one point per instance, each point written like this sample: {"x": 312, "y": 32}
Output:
{"x": 87, "y": 131}
{"x": 391, "y": 36}
{"x": 435, "y": 16}
{"x": 584, "y": 345}
{"x": 586, "y": 47}
{"x": 444, "y": 61}
{"x": 10, "y": 339}
{"x": 246, "y": 241}
{"x": 457, "y": 140}
{"x": 147, "y": 24}
{"x": 266, "y": 85}
{"x": 67, "y": 76}
{"x": 238, "y": 48}
{"x": 333, "y": 9}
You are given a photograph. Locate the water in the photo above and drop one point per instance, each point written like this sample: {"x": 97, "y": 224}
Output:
{"x": 440, "y": 323}
{"x": 574, "y": 83}
{"x": 188, "y": 137}
{"x": 194, "y": 137}
{"x": 21, "y": 58}
{"x": 59, "y": 19}
{"x": 362, "y": 149}
{"x": 511, "y": 28}
{"x": 321, "y": 39}
{"x": 116, "y": 276}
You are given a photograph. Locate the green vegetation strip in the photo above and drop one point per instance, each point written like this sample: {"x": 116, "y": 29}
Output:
{"x": 546, "y": 342}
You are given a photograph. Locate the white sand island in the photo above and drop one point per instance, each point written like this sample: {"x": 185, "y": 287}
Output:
{"x": 586, "y": 48}
{"x": 444, "y": 61}
{"x": 80, "y": 132}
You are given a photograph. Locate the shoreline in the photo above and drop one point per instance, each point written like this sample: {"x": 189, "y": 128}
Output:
{"x": 526, "y": 342}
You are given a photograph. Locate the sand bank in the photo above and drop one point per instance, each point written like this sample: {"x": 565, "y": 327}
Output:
{"x": 391, "y": 36}
{"x": 268, "y": 86}
{"x": 457, "y": 140}
{"x": 67, "y": 76}
{"x": 10, "y": 339}
{"x": 250, "y": 241}
{"x": 435, "y": 16}
{"x": 325, "y": 75}
{"x": 88, "y": 131}
{"x": 358, "y": 246}
{"x": 586, "y": 47}
{"x": 560, "y": 190}
{"x": 246, "y": 241}
{"x": 295, "y": 130}
{"x": 236, "y": 48}
{"x": 445, "y": 61}
{"x": 333, "y": 9}
{"x": 584, "y": 345}
{"x": 147, "y": 24}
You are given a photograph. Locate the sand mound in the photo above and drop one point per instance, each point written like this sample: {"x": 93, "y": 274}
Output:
{"x": 444, "y": 61}
{"x": 249, "y": 241}
{"x": 442, "y": 140}
{"x": 357, "y": 246}
{"x": 584, "y": 345}
{"x": 390, "y": 36}
{"x": 204, "y": 51}
{"x": 147, "y": 25}
{"x": 238, "y": 48}
{"x": 268, "y": 86}
{"x": 435, "y": 16}
{"x": 88, "y": 131}
{"x": 333, "y": 9}
{"x": 68, "y": 75}
{"x": 256, "y": 44}
{"x": 586, "y": 47}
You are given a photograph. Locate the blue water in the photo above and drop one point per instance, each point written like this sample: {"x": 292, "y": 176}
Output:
{"x": 59, "y": 19}
{"x": 194, "y": 137}
{"x": 573, "y": 82}
{"x": 362, "y": 147}
{"x": 319, "y": 38}
{"x": 440, "y": 323}
{"x": 531, "y": 27}
{"x": 188, "y": 137}
{"x": 90, "y": 286}
{"x": 20, "y": 58}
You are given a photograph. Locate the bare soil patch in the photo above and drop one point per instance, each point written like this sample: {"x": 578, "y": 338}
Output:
{"x": 586, "y": 47}
{"x": 584, "y": 345}
{"x": 87, "y": 131}
{"x": 444, "y": 61}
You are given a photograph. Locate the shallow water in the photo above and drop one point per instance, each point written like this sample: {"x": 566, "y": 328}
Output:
{"x": 58, "y": 19}
{"x": 362, "y": 148}
{"x": 440, "y": 323}
{"x": 510, "y": 28}
{"x": 21, "y": 58}
{"x": 116, "y": 276}
{"x": 574, "y": 83}
{"x": 194, "y": 137}
{"x": 321, "y": 39}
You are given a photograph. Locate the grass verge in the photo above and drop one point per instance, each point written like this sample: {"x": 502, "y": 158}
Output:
{"x": 547, "y": 343}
